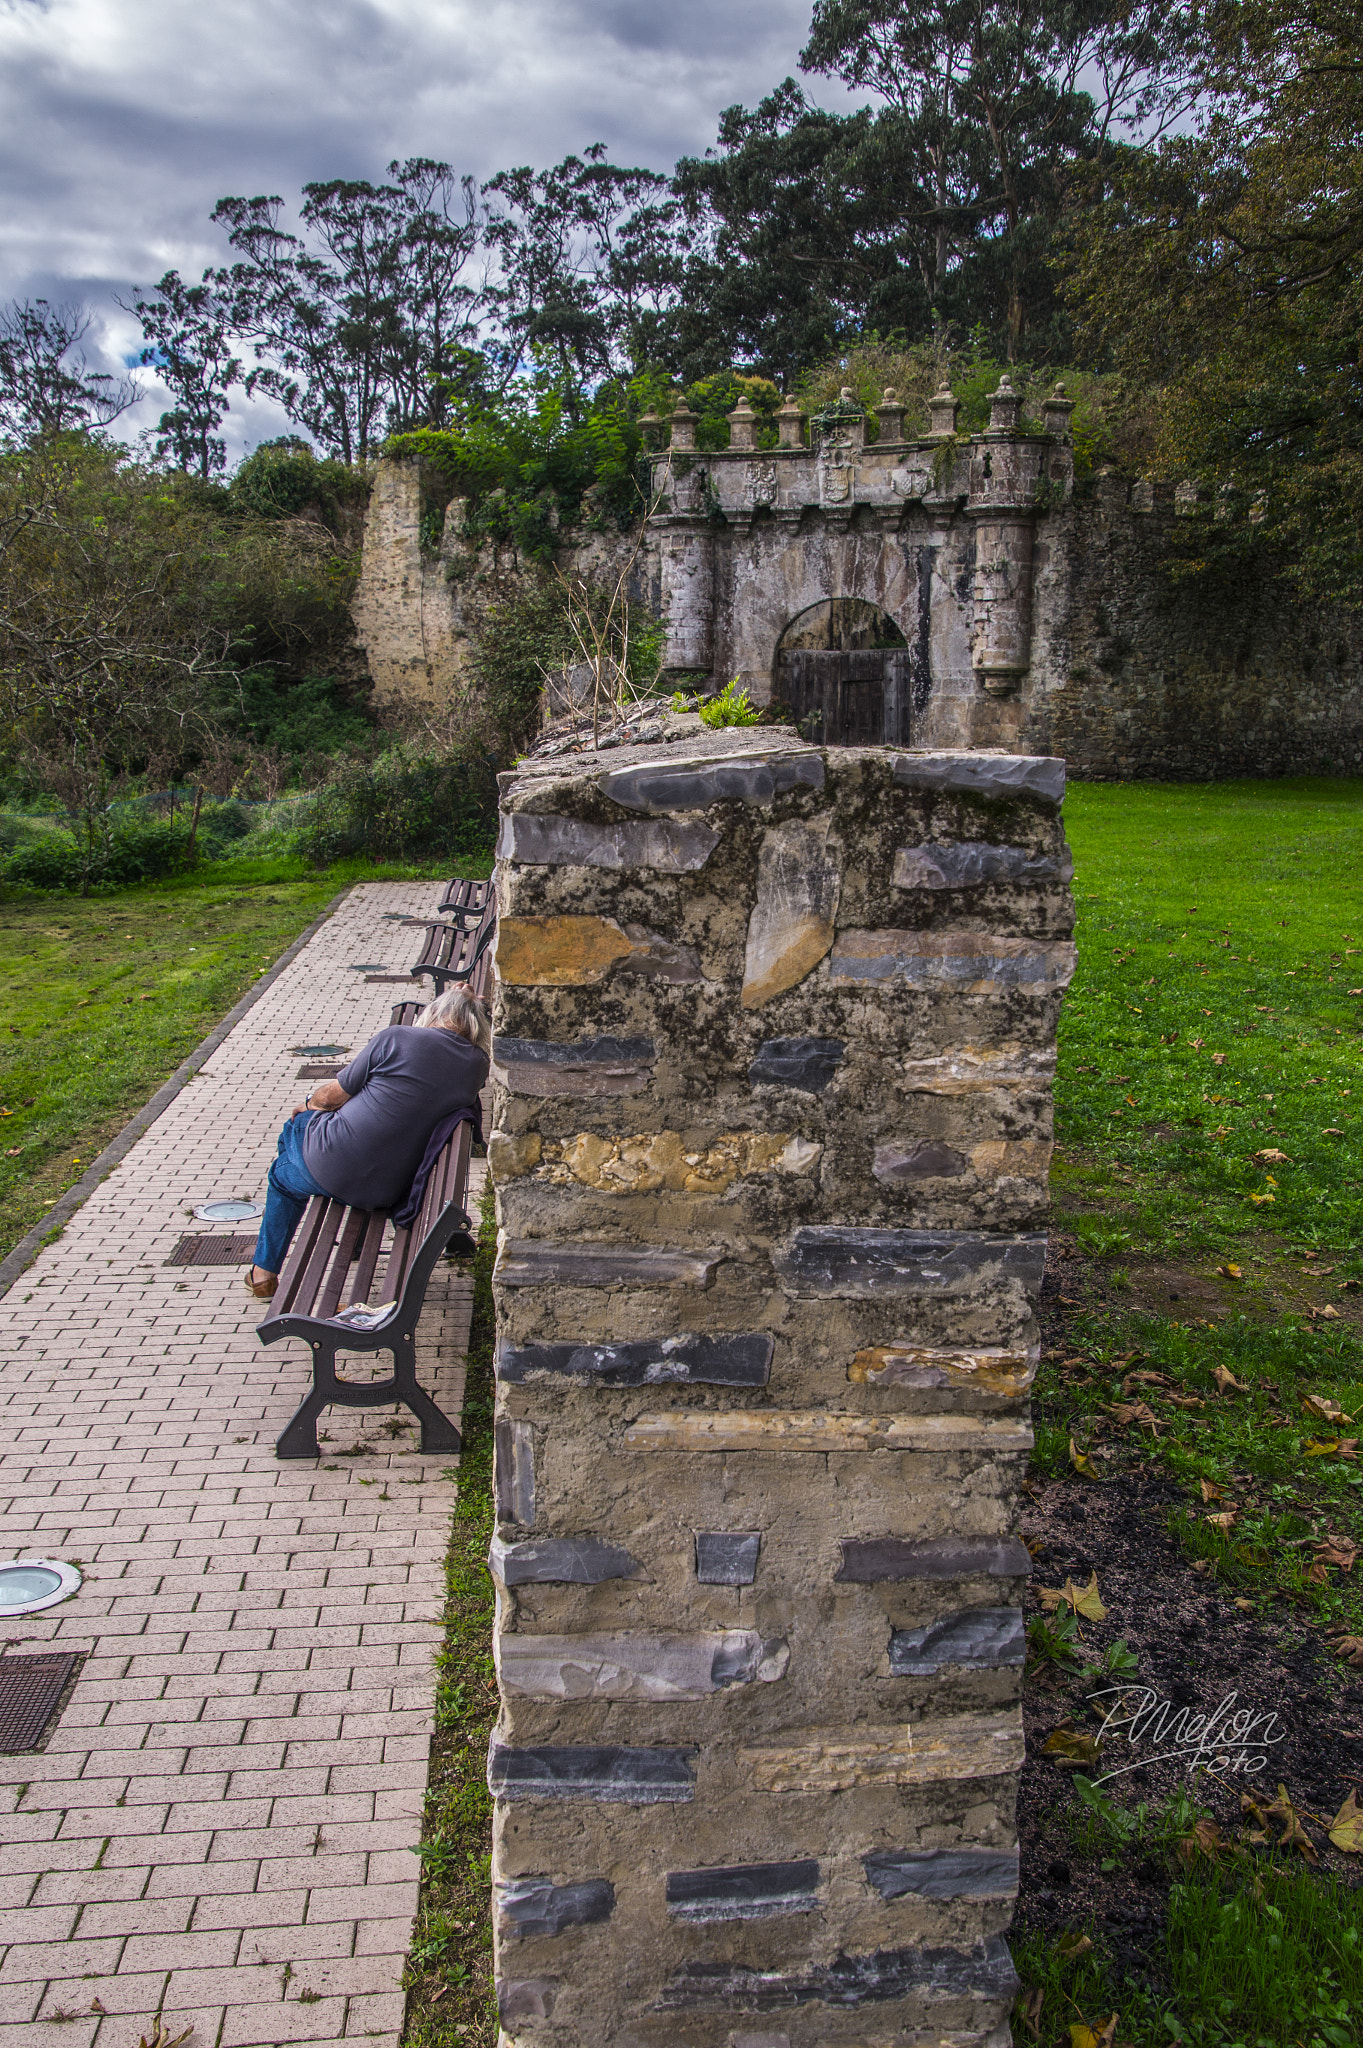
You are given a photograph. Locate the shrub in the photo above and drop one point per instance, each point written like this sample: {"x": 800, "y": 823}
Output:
{"x": 406, "y": 805}
{"x": 133, "y": 850}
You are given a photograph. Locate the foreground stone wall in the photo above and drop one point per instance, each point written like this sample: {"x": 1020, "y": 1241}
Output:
{"x": 775, "y": 1046}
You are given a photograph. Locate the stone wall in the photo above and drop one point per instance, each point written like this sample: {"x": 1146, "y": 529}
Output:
{"x": 775, "y": 1039}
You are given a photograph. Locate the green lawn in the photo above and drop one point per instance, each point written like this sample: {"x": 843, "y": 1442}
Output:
{"x": 101, "y": 998}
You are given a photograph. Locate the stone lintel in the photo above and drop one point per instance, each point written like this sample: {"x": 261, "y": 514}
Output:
{"x": 560, "y": 1561}
{"x": 975, "y": 1639}
{"x": 534, "y": 1906}
{"x": 686, "y": 1359}
{"x": 743, "y": 1891}
{"x": 879, "y": 1560}
{"x": 993, "y": 775}
{"x": 964, "y": 963}
{"x": 539, "y": 1262}
{"x": 843, "y": 1259}
{"x": 636, "y": 1664}
{"x": 982, "y": 1971}
{"x": 727, "y": 1557}
{"x": 969, "y": 864}
{"x": 943, "y": 1873}
{"x": 590, "y": 1066}
{"x": 767, "y": 1429}
{"x": 694, "y": 784}
{"x": 536, "y": 840}
{"x": 808, "y": 1064}
{"x": 928, "y": 1753}
{"x": 609, "y": 1775}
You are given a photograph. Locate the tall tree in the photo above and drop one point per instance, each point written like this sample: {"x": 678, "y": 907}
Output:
{"x": 189, "y": 345}
{"x": 46, "y": 382}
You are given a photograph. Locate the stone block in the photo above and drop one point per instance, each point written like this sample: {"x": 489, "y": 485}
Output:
{"x": 682, "y": 1430}
{"x": 836, "y": 1259}
{"x": 791, "y": 926}
{"x": 976, "y": 1639}
{"x": 591, "y": 1066}
{"x": 636, "y": 1664}
{"x": 686, "y": 1359}
{"x": 513, "y": 1471}
{"x": 1005, "y": 1374}
{"x": 727, "y": 1558}
{"x": 982, "y": 1971}
{"x": 666, "y": 1159}
{"x": 943, "y": 1873}
{"x": 896, "y": 1165}
{"x": 525, "y": 1998}
{"x": 533, "y": 1906}
{"x": 540, "y": 1262}
{"x": 696, "y": 784}
{"x": 928, "y": 1753}
{"x": 609, "y": 1775}
{"x": 560, "y": 1560}
{"x": 579, "y": 952}
{"x": 964, "y": 963}
{"x": 743, "y": 1891}
{"x": 970, "y": 863}
{"x": 808, "y": 1064}
{"x": 547, "y": 841}
{"x": 880, "y": 1560}
{"x": 996, "y": 777}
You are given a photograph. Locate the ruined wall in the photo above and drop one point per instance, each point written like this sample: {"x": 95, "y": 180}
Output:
{"x": 775, "y": 1038}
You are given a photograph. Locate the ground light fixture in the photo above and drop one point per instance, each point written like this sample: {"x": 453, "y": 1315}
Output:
{"x": 29, "y": 1584}
{"x": 229, "y": 1209}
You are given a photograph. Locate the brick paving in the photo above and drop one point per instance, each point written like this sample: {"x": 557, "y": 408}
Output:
{"x": 221, "y": 1827}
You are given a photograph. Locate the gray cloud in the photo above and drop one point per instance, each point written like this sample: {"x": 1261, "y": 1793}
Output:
{"x": 122, "y": 122}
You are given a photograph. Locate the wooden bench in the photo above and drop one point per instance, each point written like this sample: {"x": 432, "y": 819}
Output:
{"x": 463, "y": 894}
{"x": 454, "y": 952}
{"x": 336, "y": 1254}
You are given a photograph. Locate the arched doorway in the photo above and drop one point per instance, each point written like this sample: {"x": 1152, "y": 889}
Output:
{"x": 843, "y": 668}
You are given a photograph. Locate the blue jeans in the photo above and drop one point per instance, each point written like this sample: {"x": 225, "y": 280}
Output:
{"x": 290, "y": 1188}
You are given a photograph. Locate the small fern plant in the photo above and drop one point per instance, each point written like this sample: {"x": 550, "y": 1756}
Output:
{"x": 730, "y": 707}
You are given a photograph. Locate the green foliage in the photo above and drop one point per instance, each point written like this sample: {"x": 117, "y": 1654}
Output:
{"x": 405, "y": 805}
{"x": 712, "y": 399}
{"x": 282, "y": 478}
{"x": 514, "y": 638}
{"x": 298, "y": 718}
{"x": 136, "y": 850}
{"x": 730, "y": 707}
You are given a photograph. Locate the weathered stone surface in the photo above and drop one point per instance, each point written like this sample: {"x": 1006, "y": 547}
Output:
{"x": 969, "y": 864}
{"x": 791, "y": 926}
{"x": 930, "y": 1752}
{"x": 727, "y": 1558}
{"x": 693, "y": 785}
{"x": 636, "y": 1664}
{"x": 576, "y": 952}
{"x": 772, "y": 1429}
{"x": 513, "y": 1472}
{"x": 943, "y": 1873}
{"x": 686, "y": 1359}
{"x": 591, "y": 1066}
{"x": 743, "y": 1891}
{"x": 744, "y": 2040}
{"x": 968, "y": 963}
{"x": 897, "y": 1165}
{"x": 995, "y": 776}
{"x": 977, "y": 1639}
{"x": 651, "y": 958}
{"x": 984, "y": 1971}
{"x": 525, "y": 1998}
{"x": 876, "y": 1560}
{"x": 837, "y": 1259}
{"x": 532, "y": 1905}
{"x": 539, "y": 1262}
{"x": 1007, "y": 1373}
{"x": 664, "y": 1159}
{"x": 560, "y": 1560}
{"x": 808, "y": 1064}
{"x": 510, "y": 1158}
{"x": 546, "y": 841}
{"x": 610, "y": 1775}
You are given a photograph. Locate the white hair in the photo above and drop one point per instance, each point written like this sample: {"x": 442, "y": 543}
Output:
{"x": 456, "y": 1010}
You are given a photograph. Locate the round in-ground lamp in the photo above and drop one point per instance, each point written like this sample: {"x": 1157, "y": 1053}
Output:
{"x": 230, "y": 1209}
{"x": 28, "y": 1584}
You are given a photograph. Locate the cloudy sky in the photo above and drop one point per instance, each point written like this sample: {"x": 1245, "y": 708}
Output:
{"x": 122, "y": 122}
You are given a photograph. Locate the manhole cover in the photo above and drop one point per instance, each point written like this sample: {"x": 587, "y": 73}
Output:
{"x": 198, "y": 1248}
{"x": 28, "y": 1584}
{"x": 318, "y": 1070}
{"x": 228, "y": 1209}
{"x": 317, "y": 1052}
{"x": 30, "y": 1688}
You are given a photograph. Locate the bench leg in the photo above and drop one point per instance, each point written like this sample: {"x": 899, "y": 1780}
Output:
{"x": 438, "y": 1433}
{"x": 299, "y": 1438}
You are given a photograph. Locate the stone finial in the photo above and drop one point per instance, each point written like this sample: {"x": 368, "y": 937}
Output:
{"x": 847, "y": 396}
{"x": 1005, "y": 407}
{"x": 942, "y": 409}
{"x": 790, "y": 424}
{"x": 1055, "y": 413}
{"x": 649, "y": 424}
{"x": 684, "y": 424}
{"x": 890, "y": 413}
{"x": 742, "y": 426}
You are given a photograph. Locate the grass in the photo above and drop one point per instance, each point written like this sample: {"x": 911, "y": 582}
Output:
{"x": 101, "y": 999}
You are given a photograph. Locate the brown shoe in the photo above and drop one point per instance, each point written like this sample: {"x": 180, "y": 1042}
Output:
{"x": 262, "y": 1289}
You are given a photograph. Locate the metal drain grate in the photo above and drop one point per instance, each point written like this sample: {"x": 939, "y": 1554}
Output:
{"x": 317, "y": 1073}
{"x": 199, "y": 1249}
{"x": 30, "y": 1692}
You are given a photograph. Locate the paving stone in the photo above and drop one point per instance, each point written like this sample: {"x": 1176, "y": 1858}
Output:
{"x": 686, "y": 1359}
{"x": 548, "y": 841}
{"x": 977, "y": 1639}
{"x": 532, "y": 1905}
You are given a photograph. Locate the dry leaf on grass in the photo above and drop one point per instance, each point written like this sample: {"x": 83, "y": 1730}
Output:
{"x": 1271, "y": 1156}
{"x": 1083, "y": 1600}
{"x": 1187, "y": 1401}
{"x": 1031, "y": 2011}
{"x": 1294, "y": 1835}
{"x": 1350, "y": 1648}
{"x": 1145, "y": 1379}
{"x": 1072, "y": 1944}
{"x": 1337, "y": 1552}
{"x": 1346, "y": 1829}
{"x": 1084, "y": 2036}
{"x": 1230, "y": 1271}
{"x": 1225, "y": 1520}
{"x": 1326, "y": 1313}
{"x": 1139, "y": 1412}
{"x": 1210, "y": 1492}
{"x": 1227, "y": 1383}
{"x": 1324, "y": 1408}
{"x": 1082, "y": 1463}
{"x": 1072, "y": 1746}
{"x": 1206, "y": 1839}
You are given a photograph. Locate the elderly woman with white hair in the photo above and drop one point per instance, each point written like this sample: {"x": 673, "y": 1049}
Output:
{"x": 362, "y": 1137}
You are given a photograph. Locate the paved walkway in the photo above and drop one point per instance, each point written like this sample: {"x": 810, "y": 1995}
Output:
{"x": 221, "y": 1827}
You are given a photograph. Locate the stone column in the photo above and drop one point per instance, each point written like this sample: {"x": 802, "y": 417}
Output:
{"x": 1004, "y": 471}
{"x": 775, "y": 1043}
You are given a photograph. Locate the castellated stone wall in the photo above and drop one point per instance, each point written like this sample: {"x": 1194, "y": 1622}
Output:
{"x": 775, "y": 1041}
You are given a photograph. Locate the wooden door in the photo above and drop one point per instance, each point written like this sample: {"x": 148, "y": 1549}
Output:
{"x": 858, "y": 697}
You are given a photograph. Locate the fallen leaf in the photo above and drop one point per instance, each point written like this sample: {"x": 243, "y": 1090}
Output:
{"x": 1225, "y": 1520}
{"x": 1259, "y": 1200}
{"x": 1139, "y": 1412}
{"x": 161, "y": 2039}
{"x": 1083, "y": 1600}
{"x": 1294, "y": 1835}
{"x": 97, "y": 2007}
{"x": 1083, "y": 2036}
{"x": 1230, "y": 1272}
{"x": 1072, "y": 1944}
{"x": 1198, "y": 1043}
{"x": 1147, "y": 1379}
{"x": 1350, "y": 1650}
{"x": 1218, "y": 1059}
{"x": 1346, "y": 1829}
{"x": 1271, "y": 1156}
{"x": 1332, "y": 1131}
{"x": 1081, "y": 1463}
{"x": 1320, "y": 1447}
{"x": 1072, "y": 1746}
{"x": 1326, "y": 1313}
{"x": 13, "y": 1151}
{"x": 1227, "y": 1383}
{"x": 1031, "y": 2012}
{"x": 1352, "y": 1285}
{"x": 1210, "y": 1492}
{"x": 1187, "y": 1401}
{"x": 1245, "y": 1606}
{"x": 1338, "y": 1552}
{"x": 1324, "y": 1408}
{"x": 1206, "y": 1839}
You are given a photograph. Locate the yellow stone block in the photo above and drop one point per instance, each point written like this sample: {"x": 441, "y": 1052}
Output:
{"x": 984, "y": 1372}
{"x": 559, "y": 952}
{"x": 968, "y": 1746}
{"x": 766, "y": 1429}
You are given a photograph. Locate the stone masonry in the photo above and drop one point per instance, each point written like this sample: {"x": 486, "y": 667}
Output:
{"x": 775, "y": 1046}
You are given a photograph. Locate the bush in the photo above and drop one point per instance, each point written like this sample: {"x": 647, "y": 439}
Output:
{"x": 406, "y": 805}
{"x": 134, "y": 850}
{"x": 296, "y": 718}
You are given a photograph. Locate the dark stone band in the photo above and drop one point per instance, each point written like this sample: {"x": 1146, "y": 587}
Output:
{"x": 977, "y": 1639}
{"x": 629, "y": 1777}
{"x": 686, "y": 1359}
{"x": 943, "y": 1873}
{"x": 984, "y": 1971}
{"x": 878, "y": 1560}
{"x": 744, "y": 1891}
{"x": 531, "y": 1905}
{"x": 835, "y": 1259}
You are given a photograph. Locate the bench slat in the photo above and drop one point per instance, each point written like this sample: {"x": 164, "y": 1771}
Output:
{"x": 300, "y": 1251}
{"x": 397, "y": 1266}
{"x": 338, "y": 1272}
{"x": 323, "y": 1246}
